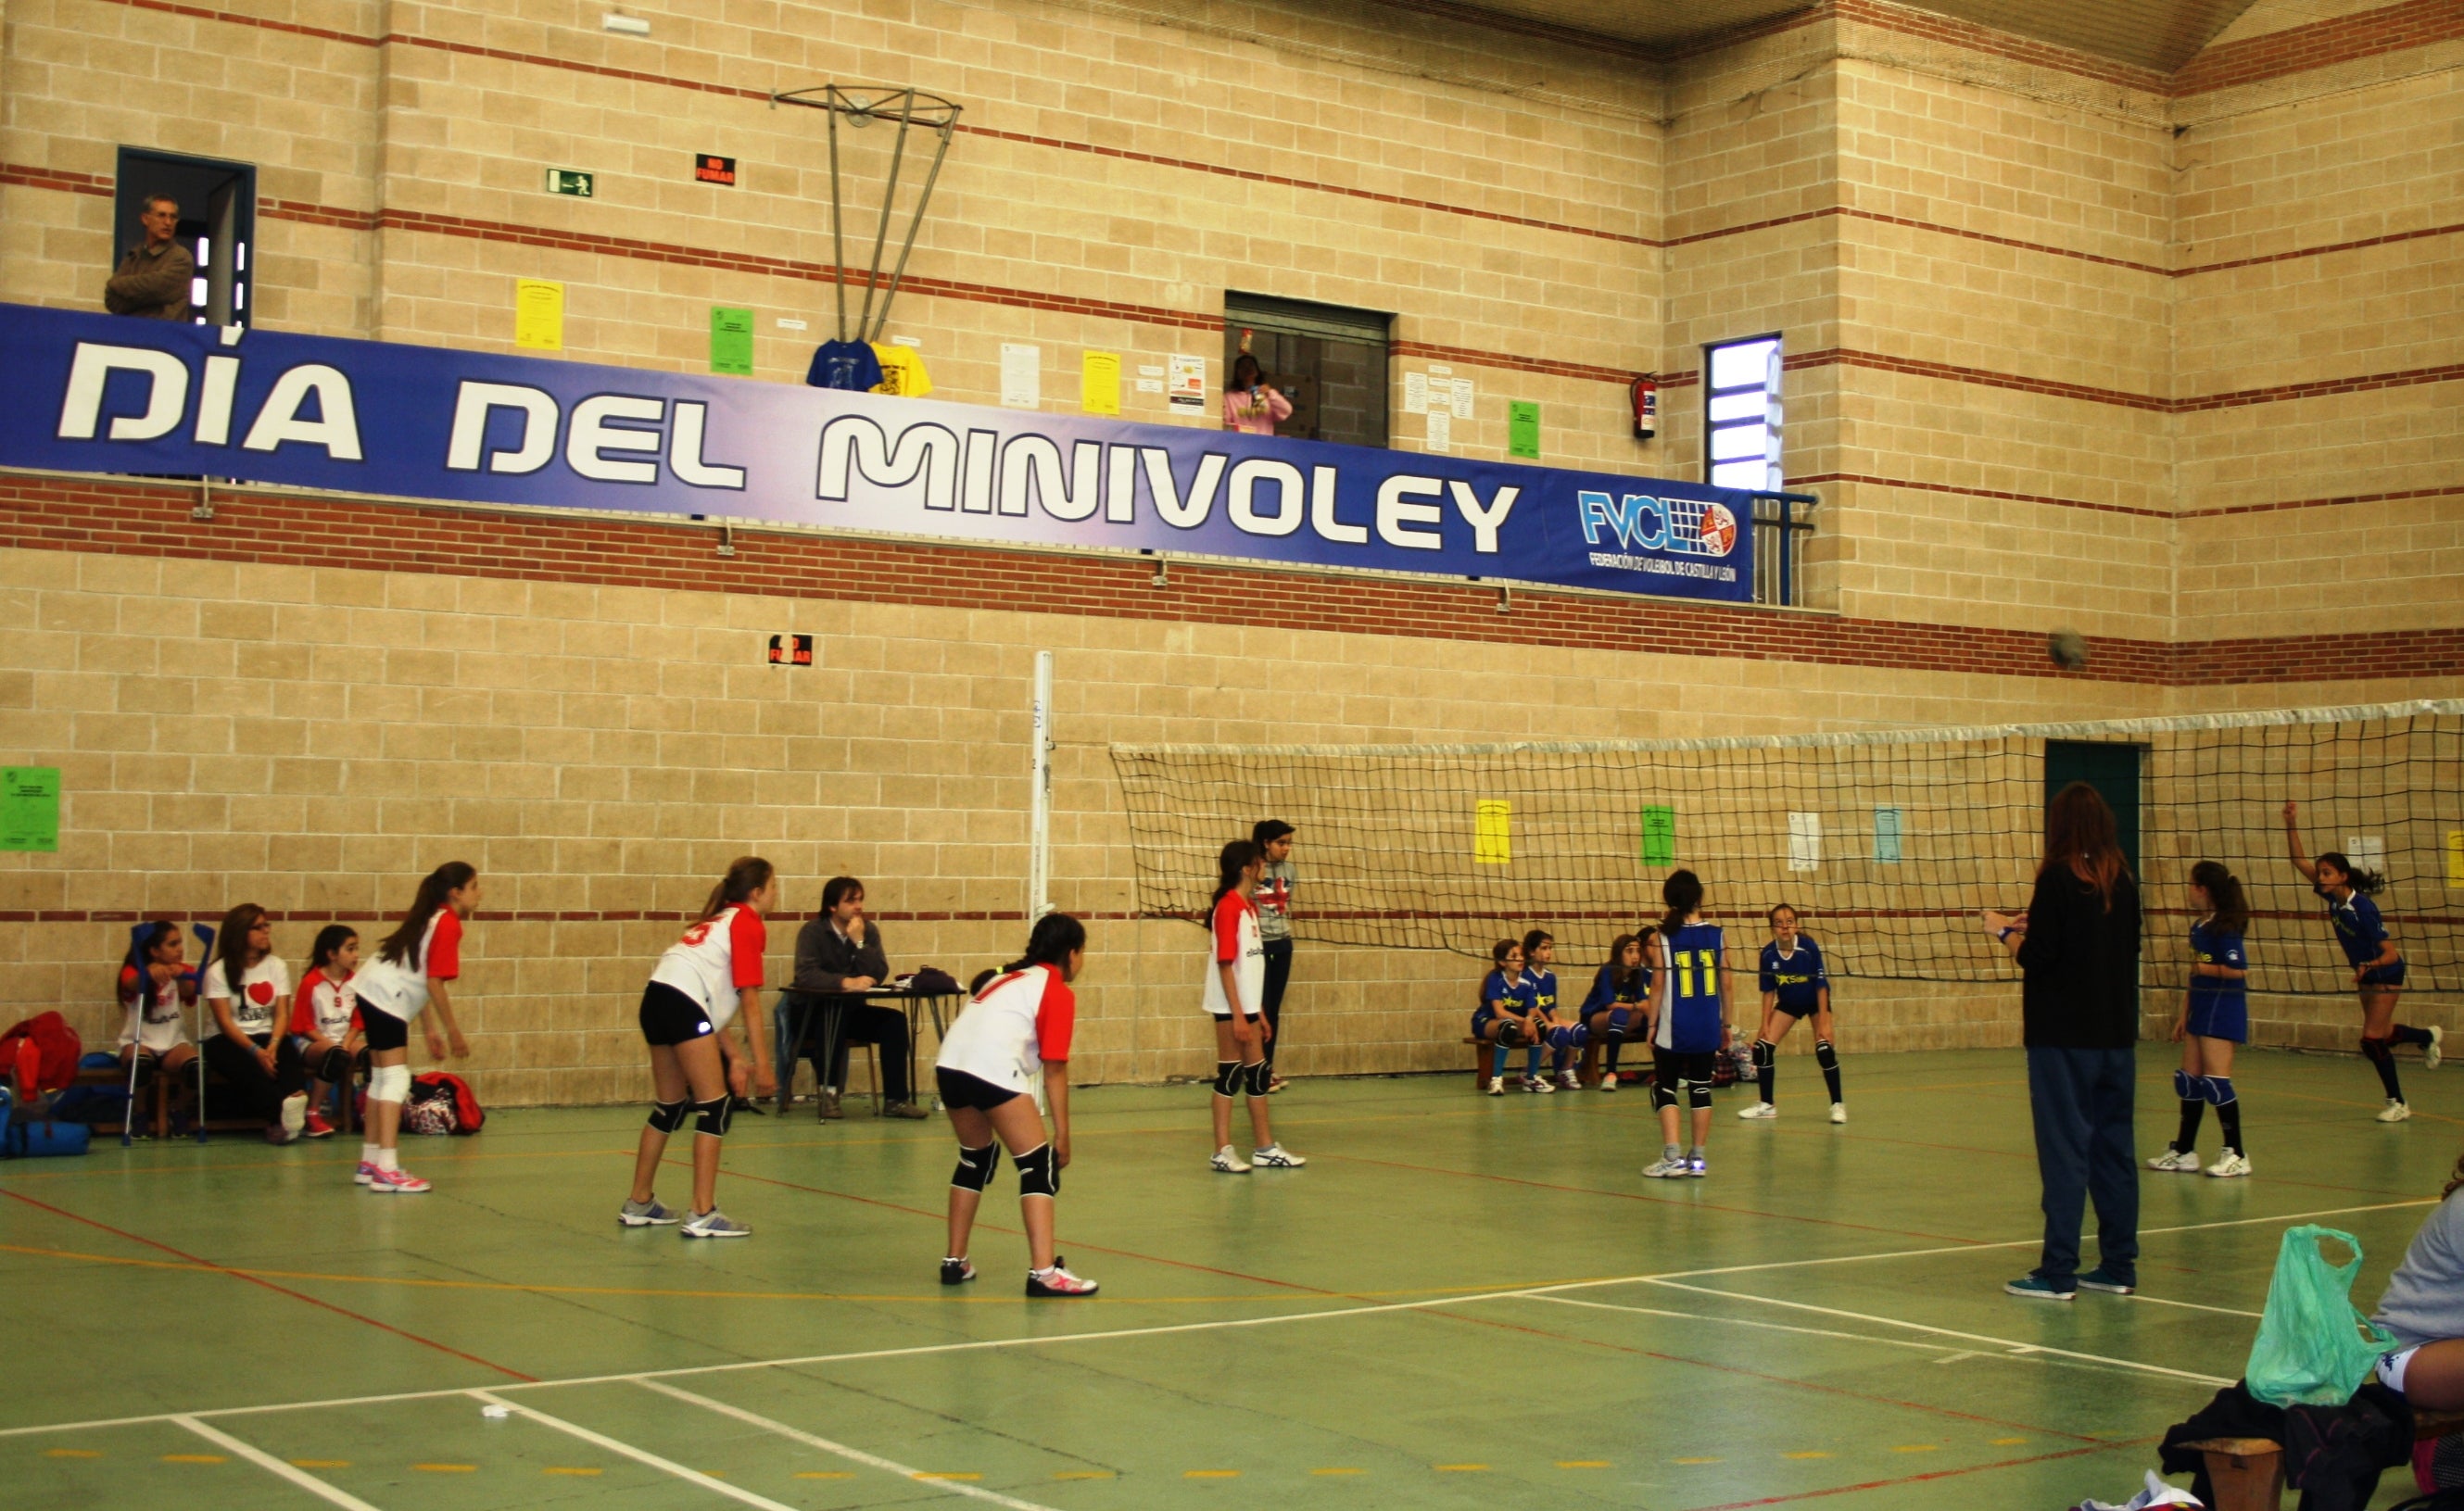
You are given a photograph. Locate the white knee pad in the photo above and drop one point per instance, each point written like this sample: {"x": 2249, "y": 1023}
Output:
{"x": 389, "y": 1084}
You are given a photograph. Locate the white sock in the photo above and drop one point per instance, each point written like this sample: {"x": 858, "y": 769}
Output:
{"x": 368, "y": 1152}
{"x": 388, "y": 1160}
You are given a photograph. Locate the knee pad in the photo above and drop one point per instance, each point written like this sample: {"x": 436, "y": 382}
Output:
{"x": 669, "y": 1116}
{"x": 712, "y": 1117}
{"x": 1662, "y": 1094}
{"x": 334, "y": 1066}
{"x": 1825, "y": 1056}
{"x": 1565, "y": 1037}
{"x": 2378, "y": 1049}
{"x": 1766, "y": 1055}
{"x": 1618, "y": 1017}
{"x": 2188, "y": 1088}
{"x": 389, "y": 1084}
{"x": 1699, "y": 1095}
{"x": 975, "y": 1167}
{"x": 1255, "y": 1079}
{"x": 1228, "y": 1078}
{"x": 1039, "y": 1174}
{"x": 2220, "y": 1090}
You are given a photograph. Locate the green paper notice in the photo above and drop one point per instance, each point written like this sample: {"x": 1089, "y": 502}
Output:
{"x": 1523, "y": 431}
{"x": 30, "y": 808}
{"x": 1659, "y": 836}
{"x": 730, "y": 340}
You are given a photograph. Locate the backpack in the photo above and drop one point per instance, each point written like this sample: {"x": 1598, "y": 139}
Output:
{"x": 42, "y": 1052}
{"x": 461, "y": 1104}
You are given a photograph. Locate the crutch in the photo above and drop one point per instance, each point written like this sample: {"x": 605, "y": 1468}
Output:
{"x": 136, "y": 1046}
{"x": 205, "y": 956}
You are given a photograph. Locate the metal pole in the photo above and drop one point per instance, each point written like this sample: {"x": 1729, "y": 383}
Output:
{"x": 899, "y": 275}
{"x": 1039, "y": 814}
{"x": 889, "y": 201}
{"x": 1786, "y": 540}
{"x": 838, "y": 239}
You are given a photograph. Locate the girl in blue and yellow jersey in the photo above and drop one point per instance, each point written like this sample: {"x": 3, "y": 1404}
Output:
{"x": 1688, "y": 1027}
{"x": 1620, "y": 1000}
{"x": 2214, "y": 1017}
{"x": 1502, "y": 1016}
{"x": 2378, "y": 966}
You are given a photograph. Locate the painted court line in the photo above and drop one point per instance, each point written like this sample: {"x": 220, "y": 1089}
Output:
{"x": 267, "y": 1461}
{"x": 1167, "y": 1329}
{"x": 1766, "y": 1327}
{"x": 842, "y": 1450}
{"x": 640, "y": 1455}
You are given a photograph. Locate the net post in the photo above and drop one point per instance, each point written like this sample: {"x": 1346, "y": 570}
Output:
{"x": 1038, "y": 821}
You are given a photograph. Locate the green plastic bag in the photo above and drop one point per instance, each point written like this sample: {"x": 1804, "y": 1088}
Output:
{"x": 2313, "y": 1347}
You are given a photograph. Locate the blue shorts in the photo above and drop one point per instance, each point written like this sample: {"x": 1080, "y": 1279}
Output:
{"x": 2225, "y": 1017}
{"x": 1480, "y": 1022}
{"x": 2384, "y": 976}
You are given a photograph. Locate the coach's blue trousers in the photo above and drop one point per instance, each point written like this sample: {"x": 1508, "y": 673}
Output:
{"x": 2086, "y": 1152}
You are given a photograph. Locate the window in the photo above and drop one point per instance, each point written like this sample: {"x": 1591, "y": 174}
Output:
{"x": 1328, "y": 361}
{"x": 1741, "y": 413}
{"x": 218, "y": 224}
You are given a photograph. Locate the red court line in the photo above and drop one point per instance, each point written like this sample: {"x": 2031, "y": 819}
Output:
{"x": 283, "y": 1290}
{"x": 1913, "y": 1480}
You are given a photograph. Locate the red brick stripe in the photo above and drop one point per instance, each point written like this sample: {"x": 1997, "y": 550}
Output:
{"x": 1517, "y": 362}
{"x": 2449, "y": 373}
{"x": 204, "y": 13}
{"x": 2321, "y": 44}
{"x": 64, "y": 180}
{"x": 2454, "y": 491}
{"x": 2320, "y": 251}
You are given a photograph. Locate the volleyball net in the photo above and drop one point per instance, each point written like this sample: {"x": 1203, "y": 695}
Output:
{"x": 1887, "y": 843}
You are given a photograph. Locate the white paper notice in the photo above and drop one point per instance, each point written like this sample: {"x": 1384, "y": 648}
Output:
{"x": 1188, "y": 383}
{"x": 1150, "y": 386}
{"x": 1462, "y": 399}
{"x": 1021, "y": 375}
{"x": 1805, "y": 842}
{"x": 1415, "y": 393}
{"x": 1440, "y": 429}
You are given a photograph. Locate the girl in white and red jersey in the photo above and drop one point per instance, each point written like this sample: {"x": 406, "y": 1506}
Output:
{"x": 409, "y": 974}
{"x": 155, "y": 988}
{"x": 325, "y": 1018}
{"x": 698, "y": 987}
{"x": 245, "y": 986}
{"x": 1236, "y": 981}
{"x": 1013, "y": 1036}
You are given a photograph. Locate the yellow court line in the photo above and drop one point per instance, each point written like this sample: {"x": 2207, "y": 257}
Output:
{"x": 447, "y": 1469}
{"x": 1916, "y": 1447}
{"x": 73, "y": 1453}
{"x": 1096, "y": 1474}
{"x": 1695, "y": 1460}
{"x": 2007, "y": 1442}
{"x": 1210, "y": 1474}
{"x": 1582, "y": 1463}
{"x": 818, "y": 1473}
{"x": 1819, "y": 1453}
{"x": 1460, "y": 1469}
{"x": 931, "y": 1475}
{"x": 321, "y": 1463}
{"x": 194, "y": 1459}
{"x": 1338, "y": 1471}
{"x": 568, "y": 1469}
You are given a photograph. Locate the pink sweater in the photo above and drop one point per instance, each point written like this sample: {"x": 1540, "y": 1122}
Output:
{"x": 1256, "y": 419}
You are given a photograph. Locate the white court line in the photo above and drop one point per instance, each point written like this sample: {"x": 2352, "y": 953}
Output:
{"x": 267, "y": 1461}
{"x": 852, "y": 1455}
{"x": 1467, "y": 1297}
{"x": 640, "y": 1455}
{"x": 2012, "y": 1343}
{"x": 2197, "y": 1307}
{"x": 1742, "y": 1322}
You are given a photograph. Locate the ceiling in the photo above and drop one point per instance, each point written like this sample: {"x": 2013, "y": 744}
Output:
{"x": 2160, "y": 34}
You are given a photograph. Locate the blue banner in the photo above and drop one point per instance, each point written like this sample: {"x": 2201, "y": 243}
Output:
{"x": 96, "y": 393}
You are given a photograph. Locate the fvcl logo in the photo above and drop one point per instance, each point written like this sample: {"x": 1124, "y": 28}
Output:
{"x": 1642, "y": 522}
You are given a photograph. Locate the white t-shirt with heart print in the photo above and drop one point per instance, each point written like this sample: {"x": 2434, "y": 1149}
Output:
{"x": 264, "y": 988}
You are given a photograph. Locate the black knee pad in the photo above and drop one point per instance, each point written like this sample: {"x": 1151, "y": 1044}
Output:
{"x": 669, "y": 1116}
{"x": 2378, "y": 1049}
{"x": 1511, "y": 1035}
{"x": 1766, "y": 1055}
{"x": 712, "y": 1117}
{"x": 1825, "y": 1056}
{"x": 1255, "y": 1079}
{"x": 975, "y": 1167}
{"x": 1039, "y": 1174}
{"x": 1697, "y": 1095}
{"x": 1662, "y": 1094}
{"x": 334, "y": 1066}
{"x": 1228, "y": 1078}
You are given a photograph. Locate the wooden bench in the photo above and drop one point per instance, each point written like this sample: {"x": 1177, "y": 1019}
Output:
{"x": 1587, "y": 1070}
{"x": 2248, "y": 1472}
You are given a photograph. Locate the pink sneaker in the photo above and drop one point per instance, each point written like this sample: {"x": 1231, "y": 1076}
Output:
{"x": 365, "y": 1175}
{"x": 318, "y": 1126}
{"x": 396, "y": 1183}
{"x": 1057, "y": 1281}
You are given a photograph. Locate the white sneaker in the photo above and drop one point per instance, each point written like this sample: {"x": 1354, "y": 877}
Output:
{"x": 1540, "y": 1084}
{"x": 1759, "y": 1111}
{"x": 1607, "y": 1081}
{"x": 1569, "y": 1080}
{"x": 2174, "y": 1161}
{"x": 1274, "y": 1156}
{"x": 1666, "y": 1168}
{"x": 2229, "y": 1166}
{"x": 1229, "y": 1162}
{"x": 1497, "y": 1086}
{"x": 2394, "y": 1111}
{"x": 1839, "y": 1112}
{"x": 2429, "y": 1051}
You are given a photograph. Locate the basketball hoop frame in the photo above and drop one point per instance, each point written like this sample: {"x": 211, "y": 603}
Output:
{"x": 860, "y": 105}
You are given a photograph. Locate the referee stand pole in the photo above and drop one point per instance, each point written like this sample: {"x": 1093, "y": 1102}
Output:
{"x": 1039, "y": 813}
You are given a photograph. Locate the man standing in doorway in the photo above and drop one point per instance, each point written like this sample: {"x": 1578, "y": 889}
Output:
{"x": 1274, "y": 900}
{"x": 839, "y": 953}
{"x": 153, "y": 280}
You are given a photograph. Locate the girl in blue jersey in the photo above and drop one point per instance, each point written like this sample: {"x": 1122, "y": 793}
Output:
{"x": 1540, "y": 984}
{"x": 2214, "y": 1017}
{"x": 1620, "y": 1001}
{"x": 2378, "y": 966}
{"x": 1795, "y": 985}
{"x": 1502, "y": 1017}
{"x": 1686, "y": 1030}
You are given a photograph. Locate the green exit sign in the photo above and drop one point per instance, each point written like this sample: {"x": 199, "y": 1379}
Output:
{"x": 570, "y": 181}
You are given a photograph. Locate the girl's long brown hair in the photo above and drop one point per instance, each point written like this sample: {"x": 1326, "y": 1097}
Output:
{"x": 746, "y": 875}
{"x": 2080, "y": 834}
{"x": 2454, "y": 1180}
{"x": 231, "y": 946}
{"x": 2224, "y": 890}
{"x": 402, "y": 946}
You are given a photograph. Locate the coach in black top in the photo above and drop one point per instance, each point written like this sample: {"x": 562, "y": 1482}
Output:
{"x": 840, "y": 951}
{"x": 2077, "y": 949}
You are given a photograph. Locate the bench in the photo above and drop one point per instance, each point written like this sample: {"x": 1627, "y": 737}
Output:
{"x": 2248, "y": 1472}
{"x": 1587, "y": 1070}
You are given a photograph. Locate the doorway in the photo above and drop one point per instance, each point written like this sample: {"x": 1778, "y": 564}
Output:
{"x": 217, "y": 223}
{"x": 1328, "y": 359}
{"x": 2112, "y": 770}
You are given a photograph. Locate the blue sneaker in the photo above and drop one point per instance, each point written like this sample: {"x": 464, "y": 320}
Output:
{"x": 649, "y": 1213}
{"x": 714, "y": 1224}
{"x": 2101, "y": 1279}
{"x": 2037, "y": 1288}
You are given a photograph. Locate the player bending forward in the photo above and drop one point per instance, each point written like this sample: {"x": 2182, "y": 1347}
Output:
{"x": 2378, "y": 966}
{"x": 1795, "y": 985}
{"x": 1015, "y": 1032}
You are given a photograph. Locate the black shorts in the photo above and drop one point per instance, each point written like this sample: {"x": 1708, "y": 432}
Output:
{"x": 384, "y": 1031}
{"x": 1807, "y": 1011}
{"x": 1671, "y": 1067}
{"x": 959, "y": 1089}
{"x": 670, "y": 1018}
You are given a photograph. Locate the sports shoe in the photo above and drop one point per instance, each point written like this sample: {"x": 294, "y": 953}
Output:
{"x": 396, "y": 1183}
{"x": 2176, "y": 1161}
{"x": 2429, "y": 1051}
{"x": 1228, "y": 1162}
{"x": 1569, "y": 1080}
{"x": 905, "y": 1109}
{"x": 1497, "y": 1086}
{"x": 715, "y": 1224}
{"x": 2232, "y": 1165}
{"x": 1607, "y": 1081}
{"x": 279, "y": 1136}
{"x": 317, "y": 1127}
{"x": 365, "y": 1174}
{"x": 1274, "y": 1156}
{"x": 295, "y": 1115}
{"x": 1275, "y": 1084}
{"x": 1539, "y": 1085}
{"x": 646, "y": 1214}
{"x": 958, "y": 1272}
{"x": 1759, "y": 1111}
{"x": 1697, "y": 1167}
{"x": 2103, "y": 1280}
{"x": 827, "y": 1105}
{"x": 1839, "y": 1112}
{"x": 2037, "y": 1288}
{"x": 1666, "y": 1169}
{"x": 2396, "y": 1111}
{"x": 1057, "y": 1281}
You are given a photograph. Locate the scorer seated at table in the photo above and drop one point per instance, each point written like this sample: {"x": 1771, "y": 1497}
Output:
{"x": 838, "y": 954}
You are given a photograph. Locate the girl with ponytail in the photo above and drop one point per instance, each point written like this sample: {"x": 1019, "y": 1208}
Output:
{"x": 2214, "y": 1017}
{"x": 2378, "y": 965}
{"x": 409, "y": 974}
{"x": 1235, "y": 981}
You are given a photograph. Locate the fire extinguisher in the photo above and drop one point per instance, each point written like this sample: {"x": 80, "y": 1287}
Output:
{"x": 1646, "y": 407}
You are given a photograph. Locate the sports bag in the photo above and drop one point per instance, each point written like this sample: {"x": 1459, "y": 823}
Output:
{"x": 54, "y": 1061}
{"x": 461, "y": 1104}
{"x": 2313, "y": 1347}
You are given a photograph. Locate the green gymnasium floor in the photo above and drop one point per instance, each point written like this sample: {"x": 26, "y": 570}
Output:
{"x": 1463, "y": 1302}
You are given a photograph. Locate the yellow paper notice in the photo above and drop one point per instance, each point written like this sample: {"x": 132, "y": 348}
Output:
{"x": 1493, "y": 832}
{"x": 1099, "y": 383}
{"x": 2455, "y": 859}
{"x": 539, "y": 315}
